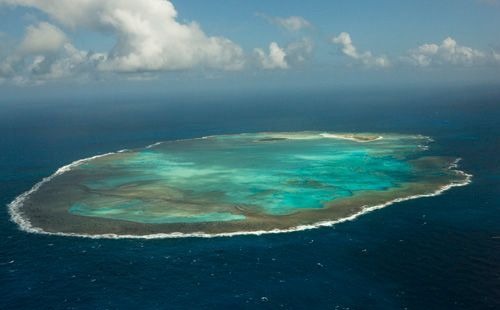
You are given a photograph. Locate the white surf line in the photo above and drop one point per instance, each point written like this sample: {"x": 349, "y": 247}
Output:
{"x": 176, "y": 140}
{"x": 346, "y": 137}
{"x": 154, "y": 144}
{"x": 25, "y": 225}
{"x": 313, "y": 135}
{"x": 14, "y": 208}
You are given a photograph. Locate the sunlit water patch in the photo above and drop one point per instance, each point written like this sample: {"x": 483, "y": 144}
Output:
{"x": 230, "y": 184}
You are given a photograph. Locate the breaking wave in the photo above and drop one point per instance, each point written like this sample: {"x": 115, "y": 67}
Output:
{"x": 24, "y": 224}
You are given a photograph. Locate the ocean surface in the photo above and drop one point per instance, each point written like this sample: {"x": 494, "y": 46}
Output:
{"x": 441, "y": 252}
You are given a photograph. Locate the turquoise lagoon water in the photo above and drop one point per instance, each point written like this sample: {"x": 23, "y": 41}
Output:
{"x": 214, "y": 178}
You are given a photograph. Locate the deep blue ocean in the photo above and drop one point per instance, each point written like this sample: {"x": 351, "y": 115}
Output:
{"x": 432, "y": 253}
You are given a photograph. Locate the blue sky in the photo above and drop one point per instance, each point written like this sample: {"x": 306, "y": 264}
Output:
{"x": 386, "y": 26}
{"x": 155, "y": 44}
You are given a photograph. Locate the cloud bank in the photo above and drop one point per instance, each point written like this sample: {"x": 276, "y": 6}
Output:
{"x": 148, "y": 36}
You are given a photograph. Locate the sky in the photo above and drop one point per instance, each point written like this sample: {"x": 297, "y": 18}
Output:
{"x": 160, "y": 45}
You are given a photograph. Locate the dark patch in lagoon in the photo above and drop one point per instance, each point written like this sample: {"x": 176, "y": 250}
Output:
{"x": 271, "y": 139}
{"x": 225, "y": 185}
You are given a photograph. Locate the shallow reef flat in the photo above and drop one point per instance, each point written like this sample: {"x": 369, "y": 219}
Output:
{"x": 235, "y": 184}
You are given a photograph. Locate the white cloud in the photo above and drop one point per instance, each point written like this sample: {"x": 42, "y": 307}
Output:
{"x": 365, "y": 58}
{"x": 69, "y": 63}
{"x": 299, "y": 51}
{"x": 44, "y": 54}
{"x": 447, "y": 52}
{"x": 291, "y": 23}
{"x": 496, "y": 56}
{"x": 275, "y": 59}
{"x": 295, "y": 53}
{"x": 148, "y": 37}
{"x": 43, "y": 38}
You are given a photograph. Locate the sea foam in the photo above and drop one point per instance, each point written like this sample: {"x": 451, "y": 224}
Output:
{"x": 24, "y": 224}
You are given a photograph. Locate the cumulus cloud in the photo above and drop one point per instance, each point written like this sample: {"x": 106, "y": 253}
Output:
{"x": 275, "y": 59}
{"x": 45, "y": 54}
{"x": 299, "y": 51}
{"x": 295, "y": 53}
{"x": 448, "y": 52}
{"x": 365, "y": 58}
{"x": 42, "y": 38}
{"x": 291, "y": 23}
{"x": 148, "y": 35}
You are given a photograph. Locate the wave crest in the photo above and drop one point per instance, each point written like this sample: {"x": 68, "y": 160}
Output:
{"x": 17, "y": 216}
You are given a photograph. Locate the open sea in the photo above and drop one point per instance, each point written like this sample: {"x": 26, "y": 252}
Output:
{"x": 440, "y": 252}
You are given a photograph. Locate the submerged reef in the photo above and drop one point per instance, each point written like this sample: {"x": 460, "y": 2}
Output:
{"x": 235, "y": 184}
